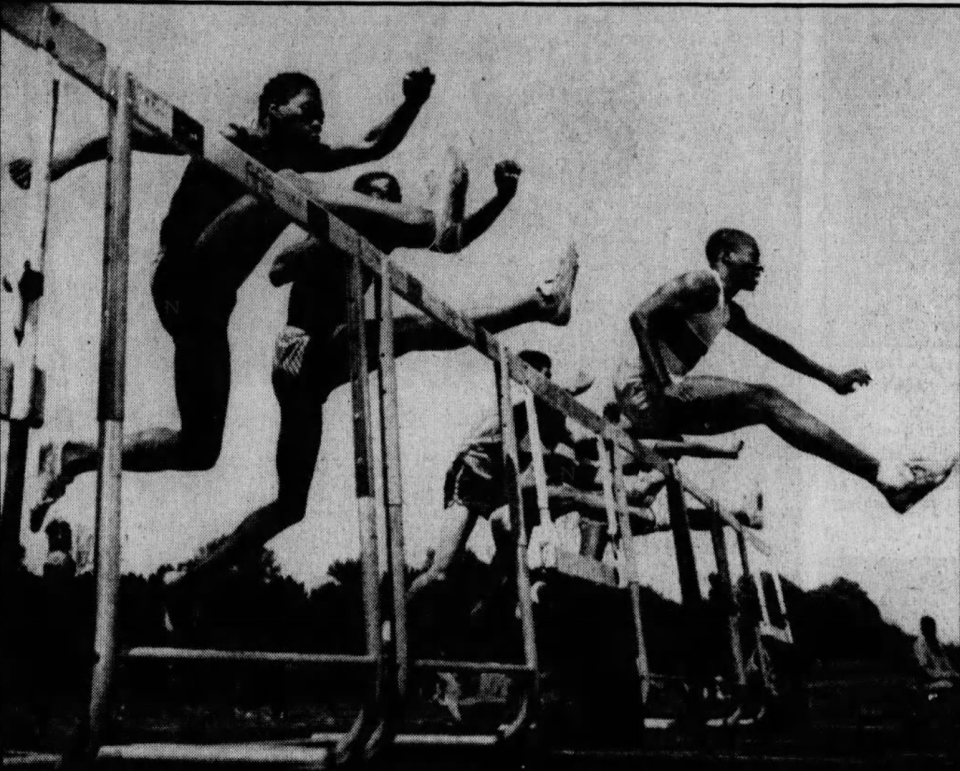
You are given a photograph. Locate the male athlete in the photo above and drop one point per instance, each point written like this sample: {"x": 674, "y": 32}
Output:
{"x": 312, "y": 353}
{"x": 211, "y": 239}
{"x": 675, "y": 327}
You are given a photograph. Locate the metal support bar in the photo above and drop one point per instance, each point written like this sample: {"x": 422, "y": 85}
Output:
{"x": 396, "y": 631}
{"x": 718, "y": 538}
{"x": 514, "y": 494}
{"x": 626, "y": 547}
{"x": 251, "y": 657}
{"x": 371, "y": 717}
{"x": 392, "y": 487}
{"x": 446, "y": 665}
{"x": 689, "y": 587}
{"x": 254, "y": 755}
{"x": 606, "y": 478}
{"x": 111, "y": 394}
{"x": 536, "y": 450}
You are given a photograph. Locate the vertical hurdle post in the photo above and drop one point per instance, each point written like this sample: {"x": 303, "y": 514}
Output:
{"x": 511, "y": 465}
{"x": 614, "y": 457}
{"x": 536, "y": 450}
{"x": 23, "y": 382}
{"x": 689, "y": 583}
{"x": 351, "y": 742}
{"x": 392, "y": 488}
{"x": 111, "y": 396}
{"x": 719, "y": 540}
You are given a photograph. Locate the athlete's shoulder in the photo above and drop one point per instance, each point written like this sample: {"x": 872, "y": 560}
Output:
{"x": 700, "y": 285}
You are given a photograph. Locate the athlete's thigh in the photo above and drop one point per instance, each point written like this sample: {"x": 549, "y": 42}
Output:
{"x": 301, "y": 392}
{"x": 703, "y": 404}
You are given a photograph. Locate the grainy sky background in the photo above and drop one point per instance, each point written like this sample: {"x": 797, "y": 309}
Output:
{"x": 828, "y": 134}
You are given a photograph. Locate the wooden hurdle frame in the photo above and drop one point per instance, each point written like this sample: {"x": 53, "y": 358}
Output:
{"x": 133, "y": 105}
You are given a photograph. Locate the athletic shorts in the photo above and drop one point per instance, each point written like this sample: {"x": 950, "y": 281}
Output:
{"x": 475, "y": 480}
{"x": 307, "y": 363}
{"x": 186, "y": 305}
{"x": 687, "y": 406}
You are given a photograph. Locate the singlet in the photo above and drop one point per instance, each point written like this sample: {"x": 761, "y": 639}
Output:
{"x": 681, "y": 345}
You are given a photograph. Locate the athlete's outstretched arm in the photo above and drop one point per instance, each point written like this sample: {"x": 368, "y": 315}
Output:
{"x": 87, "y": 151}
{"x": 459, "y": 236}
{"x": 690, "y": 293}
{"x": 384, "y": 138}
{"x": 784, "y": 353}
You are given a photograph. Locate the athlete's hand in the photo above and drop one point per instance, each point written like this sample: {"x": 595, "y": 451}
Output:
{"x": 20, "y": 172}
{"x": 417, "y": 85}
{"x": 506, "y": 176}
{"x": 847, "y": 382}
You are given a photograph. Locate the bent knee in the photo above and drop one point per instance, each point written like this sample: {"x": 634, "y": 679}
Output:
{"x": 765, "y": 395}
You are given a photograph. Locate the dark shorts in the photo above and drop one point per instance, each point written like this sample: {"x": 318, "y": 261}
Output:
{"x": 187, "y": 305}
{"x": 693, "y": 405}
{"x": 308, "y": 363}
{"x": 475, "y": 480}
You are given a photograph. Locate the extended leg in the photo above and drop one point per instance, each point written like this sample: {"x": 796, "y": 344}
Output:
{"x": 711, "y": 405}
{"x": 550, "y": 303}
{"x": 455, "y": 527}
{"x": 202, "y": 383}
{"x": 301, "y": 398}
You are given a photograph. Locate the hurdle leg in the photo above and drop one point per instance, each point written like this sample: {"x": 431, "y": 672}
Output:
{"x": 718, "y": 537}
{"x": 689, "y": 583}
{"x": 111, "y": 394}
{"x": 629, "y": 560}
{"x": 393, "y": 505}
{"x": 529, "y": 715}
{"x": 371, "y": 717}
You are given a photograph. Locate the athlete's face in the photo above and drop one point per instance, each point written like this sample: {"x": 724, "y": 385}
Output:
{"x": 744, "y": 266}
{"x": 301, "y": 118}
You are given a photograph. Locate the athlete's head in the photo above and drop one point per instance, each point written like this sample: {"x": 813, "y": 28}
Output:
{"x": 928, "y": 627}
{"x": 538, "y": 360}
{"x": 736, "y": 255}
{"x": 378, "y": 184}
{"x": 291, "y": 107}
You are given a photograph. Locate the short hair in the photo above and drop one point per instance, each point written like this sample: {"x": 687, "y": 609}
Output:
{"x": 281, "y": 88}
{"x": 364, "y": 184}
{"x": 536, "y": 359}
{"x": 727, "y": 240}
{"x": 927, "y": 624}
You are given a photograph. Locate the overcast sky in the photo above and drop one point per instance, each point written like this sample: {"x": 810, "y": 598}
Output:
{"x": 828, "y": 134}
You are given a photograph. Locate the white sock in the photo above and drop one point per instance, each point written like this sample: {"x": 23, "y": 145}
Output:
{"x": 892, "y": 474}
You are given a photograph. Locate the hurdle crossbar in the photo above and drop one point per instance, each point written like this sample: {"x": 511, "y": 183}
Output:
{"x": 81, "y": 55}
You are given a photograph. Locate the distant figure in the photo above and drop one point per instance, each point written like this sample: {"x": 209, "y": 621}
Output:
{"x": 937, "y": 671}
{"x": 59, "y": 563}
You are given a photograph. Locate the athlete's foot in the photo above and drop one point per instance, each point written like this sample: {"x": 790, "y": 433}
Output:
{"x": 54, "y": 480}
{"x": 556, "y": 294}
{"x": 907, "y": 484}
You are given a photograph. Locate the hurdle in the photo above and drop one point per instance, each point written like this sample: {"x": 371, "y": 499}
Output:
{"x": 621, "y": 522}
{"x": 134, "y": 105}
